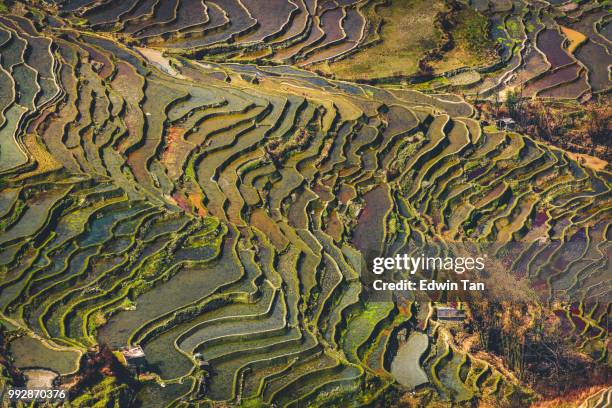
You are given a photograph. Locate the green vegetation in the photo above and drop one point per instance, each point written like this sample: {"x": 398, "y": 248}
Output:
{"x": 216, "y": 213}
{"x": 408, "y": 32}
{"x": 473, "y": 45}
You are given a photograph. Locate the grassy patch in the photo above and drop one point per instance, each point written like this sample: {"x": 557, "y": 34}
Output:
{"x": 81, "y": 22}
{"x": 3, "y": 7}
{"x": 408, "y": 31}
{"x": 473, "y": 45}
{"x": 471, "y": 32}
{"x": 514, "y": 28}
{"x": 31, "y": 352}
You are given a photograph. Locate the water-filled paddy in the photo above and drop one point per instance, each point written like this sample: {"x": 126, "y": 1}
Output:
{"x": 551, "y": 79}
{"x": 449, "y": 376}
{"x": 550, "y": 43}
{"x": 166, "y": 360}
{"x": 598, "y": 62}
{"x": 406, "y": 367}
{"x": 189, "y": 285}
{"x": 154, "y": 395}
{"x": 30, "y": 352}
{"x": 369, "y": 232}
{"x": 305, "y": 172}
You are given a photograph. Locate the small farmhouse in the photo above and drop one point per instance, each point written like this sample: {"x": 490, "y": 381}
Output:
{"x": 135, "y": 358}
{"x": 450, "y": 314}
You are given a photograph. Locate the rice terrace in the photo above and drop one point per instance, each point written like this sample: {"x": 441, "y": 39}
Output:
{"x": 193, "y": 193}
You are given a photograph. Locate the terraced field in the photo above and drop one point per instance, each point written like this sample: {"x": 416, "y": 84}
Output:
{"x": 552, "y": 50}
{"x": 217, "y": 213}
{"x": 549, "y": 49}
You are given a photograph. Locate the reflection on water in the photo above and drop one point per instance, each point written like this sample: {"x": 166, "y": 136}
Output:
{"x": 406, "y": 367}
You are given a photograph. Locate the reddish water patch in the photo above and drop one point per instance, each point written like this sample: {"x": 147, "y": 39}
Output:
{"x": 540, "y": 286}
{"x": 334, "y": 226}
{"x": 181, "y": 201}
{"x": 353, "y": 25}
{"x": 322, "y": 192}
{"x": 346, "y": 171}
{"x": 550, "y": 79}
{"x": 165, "y": 11}
{"x": 472, "y": 175}
{"x": 579, "y": 236}
{"x": 566, "y": 326}
{"x": 332, "y": 26}
{"x": 329, "y": 182}
{"x": 592, "y": 331}
{"x": 38, "y": 121}
{"x": 571, "y": 90}
{"x": 346, "y": 194}
{"x": 540, "y": 219}
{"x": 578, "y": 322}
{"x": 271, "y": 15}
{"x": 550, "y": 42}
{"x": 261, "y": 220}
{"x": 138, "y": 166}
{"x": 102, "y": 64}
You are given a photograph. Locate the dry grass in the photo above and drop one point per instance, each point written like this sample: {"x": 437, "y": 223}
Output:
{"x": 472, "y": 46}
{"x": 407, "y": 33}
{"x": 45, "y": 162}
{"x": 574, "y": 37}
{"x": 591, "y": 162}
{"x": 572, "y": 400}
